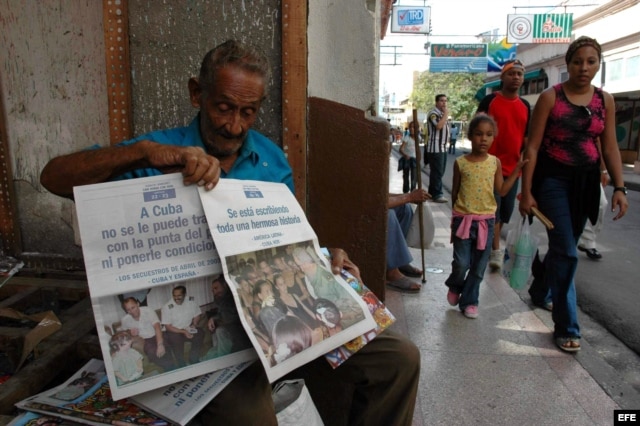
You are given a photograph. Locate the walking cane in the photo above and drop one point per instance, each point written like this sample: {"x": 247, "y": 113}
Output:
{"x": 416, "y": 139}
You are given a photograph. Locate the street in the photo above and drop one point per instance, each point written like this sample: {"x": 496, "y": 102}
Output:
{"x": 607, "y": 289}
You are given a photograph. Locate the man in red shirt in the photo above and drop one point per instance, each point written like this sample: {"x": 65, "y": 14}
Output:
{"x": 511, "y": 113}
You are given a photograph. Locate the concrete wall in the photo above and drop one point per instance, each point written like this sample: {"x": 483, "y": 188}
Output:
{"x": 168, "y": 40}
{"x": 343, "y": 44}
{"x": 54, "y": 85}
{"x": 55, "y": 82}
{"x": 53, "y": 79}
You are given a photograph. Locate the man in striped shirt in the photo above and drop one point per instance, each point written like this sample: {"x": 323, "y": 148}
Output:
{"x": 435, "y": 151}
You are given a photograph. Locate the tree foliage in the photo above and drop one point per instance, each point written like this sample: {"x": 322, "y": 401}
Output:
{"x": 460, "y": 89}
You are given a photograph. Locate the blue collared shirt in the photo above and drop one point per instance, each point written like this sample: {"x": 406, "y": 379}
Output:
{"x": 259, "y": 158}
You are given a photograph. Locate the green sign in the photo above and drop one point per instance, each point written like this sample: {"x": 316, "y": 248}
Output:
{"x": 542, "y": 28}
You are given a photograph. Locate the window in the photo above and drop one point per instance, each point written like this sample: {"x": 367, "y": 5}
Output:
{"x": 633, "y": 67}
{"x": 534, "y": 86}
{"x": 614, "y": 70}
{"x": 564, "y": 76}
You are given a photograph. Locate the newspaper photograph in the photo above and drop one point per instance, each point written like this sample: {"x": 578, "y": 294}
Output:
{"x": 153, "y": 271}
{"x": 293, "y": 307}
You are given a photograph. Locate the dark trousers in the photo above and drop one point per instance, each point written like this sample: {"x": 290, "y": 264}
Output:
{"x": 177, "y": 341}
{"x": 409, "y": 181}
{"x": 437, "y": 164}
{"x": 384, "y": 375}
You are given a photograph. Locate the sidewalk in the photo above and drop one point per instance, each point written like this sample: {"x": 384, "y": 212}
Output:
{"x": 500, "y": 369}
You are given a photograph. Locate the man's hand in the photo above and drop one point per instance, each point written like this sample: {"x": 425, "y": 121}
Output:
{"x": 340, "y": 260}
{"x": 418, "y": 196}
{"x": 196, "y": 166}
{"x": 160, "y": 351}
{"x": 211, "y": 325}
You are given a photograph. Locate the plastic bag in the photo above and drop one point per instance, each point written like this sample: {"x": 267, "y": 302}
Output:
{"x": 519, "y": 253}
{"x": 293, "y": 404}
{"x": 428, "y": 228}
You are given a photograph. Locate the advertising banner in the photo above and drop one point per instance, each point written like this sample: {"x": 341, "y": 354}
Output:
{"x": 411, "y": 19}
{"x": 542, "y": 28}
{"x": 468, "y": 58}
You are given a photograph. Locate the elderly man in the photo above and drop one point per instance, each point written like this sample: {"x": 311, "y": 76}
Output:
{"x": 219, "y": 142}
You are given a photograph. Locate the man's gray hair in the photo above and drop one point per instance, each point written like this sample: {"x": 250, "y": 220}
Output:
{"x": 233, "y": 52}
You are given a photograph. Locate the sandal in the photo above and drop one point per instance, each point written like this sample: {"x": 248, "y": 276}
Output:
{"x": 404, "y": 285}
{"x": 568, "y": 344}
{"x": 410, "y": 271}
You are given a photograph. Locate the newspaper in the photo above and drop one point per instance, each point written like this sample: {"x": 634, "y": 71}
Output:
{"x": 85, "y": 398}
{"x": 28, "y": 418}
{"x": 180, "y": 402}
{"x": 140, "y": 239}
{"x": 381, "y": 314}
{"x": 253, "y": 221}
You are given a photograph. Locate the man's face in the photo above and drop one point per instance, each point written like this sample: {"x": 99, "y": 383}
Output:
{"x": 178, "y": 296}
{"x": 218, "y": 289}
{"x": 228, "y": 109}
{"x": 442, "y": 103}
{"x": 132, "y": 308}
{"x": 512, "y": 79}
{"x": 305, "y": 267}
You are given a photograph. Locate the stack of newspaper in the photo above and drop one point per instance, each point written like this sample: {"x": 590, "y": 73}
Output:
{"x": 85, "y": 398}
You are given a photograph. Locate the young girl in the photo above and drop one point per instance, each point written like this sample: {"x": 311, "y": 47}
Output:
{"x": 127, "y": 362}
{"x": 475, "y": 176}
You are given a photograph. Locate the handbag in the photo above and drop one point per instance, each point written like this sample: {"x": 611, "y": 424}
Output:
{"x": 293, "y": 404}
{"x": 402, "y": 163}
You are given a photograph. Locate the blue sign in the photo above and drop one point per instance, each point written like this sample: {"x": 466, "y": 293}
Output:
{"x": 410, "y": 16}
{"x": 411, "y": 20}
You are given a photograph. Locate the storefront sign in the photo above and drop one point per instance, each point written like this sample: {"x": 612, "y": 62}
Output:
{"x": 410, "y": 19}
{"x": 543, "y": 28}
{"x": 469, "y": 58}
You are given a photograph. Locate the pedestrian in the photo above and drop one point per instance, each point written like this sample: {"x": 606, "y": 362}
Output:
{"x": 511, "y": 113}
{"x": 408, "y": 161}
{"x": 220, "y": 142}
{"x": 562, "y": 176}
{"x": 539, "y": 290}
{"x": 453, "y": 139}
{"x": 435, "y": 150}
{"x": 476, "y": 176}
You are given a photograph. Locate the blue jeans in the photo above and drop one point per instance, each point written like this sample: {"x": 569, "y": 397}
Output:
{"x": 437, "y": 165}
{"x": 469, "y": 263}
{"x": 561, "y": 261}
{"x": 398, "y": 223}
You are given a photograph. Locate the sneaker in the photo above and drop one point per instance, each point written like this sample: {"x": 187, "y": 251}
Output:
{"x": 471, "y": 311}
{"x": 440, "y": 199}
{"x": 495, "y": 261}
{"x": 452, "y": 298}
